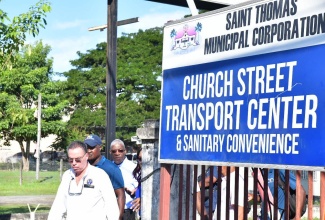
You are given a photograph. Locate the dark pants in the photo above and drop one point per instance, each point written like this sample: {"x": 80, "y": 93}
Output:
{"x": 129, "y": 214}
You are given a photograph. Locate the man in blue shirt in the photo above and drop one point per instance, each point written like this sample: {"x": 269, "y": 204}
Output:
{"x": 281, "y": 196}
{"x": 95, "y": 158}
{"x": 214, "y": 170}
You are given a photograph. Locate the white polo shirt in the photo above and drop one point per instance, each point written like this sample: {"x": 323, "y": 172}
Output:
{"x": 232, "y": 196}
{"x": 130, "y": 182}
{"x": 92, "y": 198}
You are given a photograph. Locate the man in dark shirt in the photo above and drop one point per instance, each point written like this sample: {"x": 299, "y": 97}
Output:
{"x": 95, "y": 158}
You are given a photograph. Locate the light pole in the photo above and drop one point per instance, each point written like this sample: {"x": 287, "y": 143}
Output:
{"x": 39, "y": 130}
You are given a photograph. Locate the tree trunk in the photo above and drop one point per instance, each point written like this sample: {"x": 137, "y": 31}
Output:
{"x": 25, "y": 164}
{"x": 25, "y": 154}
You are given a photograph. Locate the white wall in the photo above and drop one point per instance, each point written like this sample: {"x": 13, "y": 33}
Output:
{"x": 6, "y": 151}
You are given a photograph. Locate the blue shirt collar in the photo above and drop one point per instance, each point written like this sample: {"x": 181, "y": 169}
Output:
{"x": 101, "y": 161}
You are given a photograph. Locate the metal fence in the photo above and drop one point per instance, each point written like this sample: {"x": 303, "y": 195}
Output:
{"x": 44, "y": 166}
{"x": 184, "y": 190}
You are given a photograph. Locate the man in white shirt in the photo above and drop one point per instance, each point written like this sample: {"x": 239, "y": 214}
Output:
{"x": 85, "y": 192}
{"x": 118, "y": 153}
{"x": 232, "y": 202}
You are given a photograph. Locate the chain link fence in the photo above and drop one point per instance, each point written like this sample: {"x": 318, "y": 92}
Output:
{"x": 52, "y": 165}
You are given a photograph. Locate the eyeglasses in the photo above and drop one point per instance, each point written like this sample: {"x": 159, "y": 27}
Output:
{"x": 75, "y": 194}
{"x": 91, "y": 147}
{"x": 119, "y": 150}
{"x": 78, "y": 159}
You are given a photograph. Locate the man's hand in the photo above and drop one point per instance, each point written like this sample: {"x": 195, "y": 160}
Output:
{"x": 131, "y": 192}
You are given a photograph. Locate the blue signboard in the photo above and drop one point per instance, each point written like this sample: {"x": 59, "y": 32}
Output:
{"x": 249, "y": 90}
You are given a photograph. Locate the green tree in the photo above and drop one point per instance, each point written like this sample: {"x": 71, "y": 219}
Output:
{"x": 31, "y": 74}
{"x": 139, "y": 57}
{"x": 86, "y": 92}
{"x": 13, "y": 32}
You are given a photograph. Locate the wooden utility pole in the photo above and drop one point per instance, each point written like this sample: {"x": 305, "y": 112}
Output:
{"x": 111, "y": 69}
{"x": 111, "y": 74}
{"x": 119, "y": 23}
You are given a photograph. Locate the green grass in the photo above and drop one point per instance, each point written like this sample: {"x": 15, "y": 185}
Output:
{"x": 10, "y": 209}
{"x": 47, "y": 184}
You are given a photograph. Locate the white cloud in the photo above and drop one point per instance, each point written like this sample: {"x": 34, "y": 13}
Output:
{"x": 64, "y": 50}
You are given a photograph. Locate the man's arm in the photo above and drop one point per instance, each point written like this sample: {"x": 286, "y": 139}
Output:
{"x": 58, "y": 207}
{"x": 240, "y": 212}
{"x": 108, "y": 193}
{"x": 207, "y": 181}
{"x": 198, "y": 202}
{"x": 120, "y": 200}
{"x": 198, "y": 205}
{"x": 207, "y": 177}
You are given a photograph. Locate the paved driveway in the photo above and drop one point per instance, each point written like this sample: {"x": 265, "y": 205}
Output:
{"x": 31, "y": 200}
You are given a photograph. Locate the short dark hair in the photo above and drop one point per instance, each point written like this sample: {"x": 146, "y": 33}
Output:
{"x": 78, "y": 144}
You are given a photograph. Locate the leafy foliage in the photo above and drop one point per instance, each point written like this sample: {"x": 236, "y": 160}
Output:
{"x": 139, "y": 57}
{"x": 19, "y": 89}
{"x": 13, "y": 32}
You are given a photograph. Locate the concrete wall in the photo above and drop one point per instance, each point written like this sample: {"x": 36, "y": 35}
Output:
{"x": 150, "y": 187}
{"x": 6, "y": 151}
